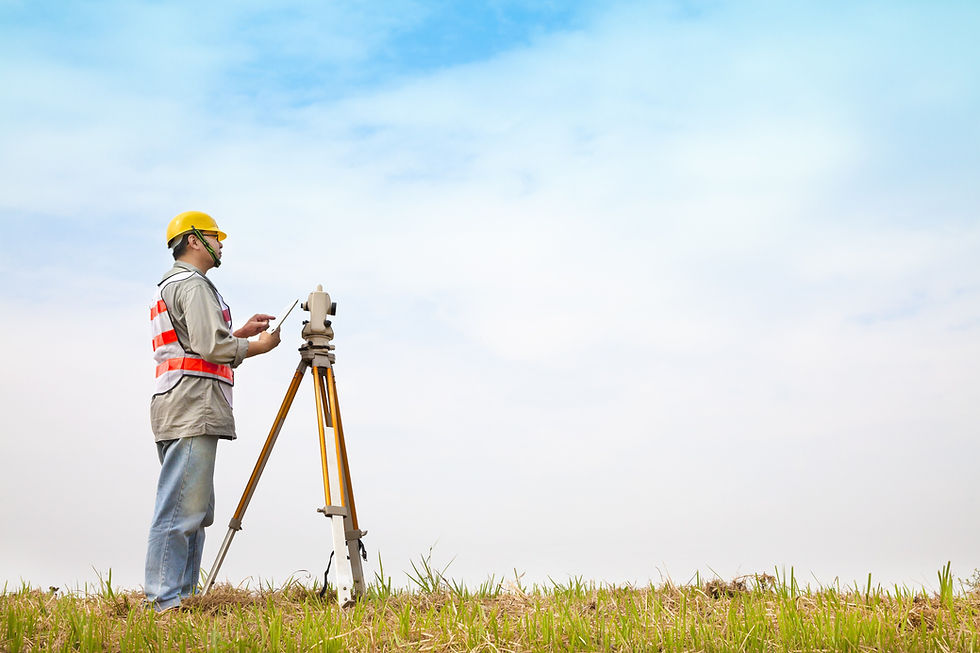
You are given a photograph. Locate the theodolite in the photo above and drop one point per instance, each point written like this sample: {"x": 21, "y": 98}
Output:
{"x": 317, "y": 354}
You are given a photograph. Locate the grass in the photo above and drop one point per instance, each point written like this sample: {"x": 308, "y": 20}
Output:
{"x": 754, "y": 613}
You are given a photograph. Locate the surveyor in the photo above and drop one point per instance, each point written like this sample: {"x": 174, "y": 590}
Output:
{"x": 195, "y": 352}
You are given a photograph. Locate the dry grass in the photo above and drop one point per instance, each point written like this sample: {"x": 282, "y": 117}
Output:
{"x": 754, "y": 613}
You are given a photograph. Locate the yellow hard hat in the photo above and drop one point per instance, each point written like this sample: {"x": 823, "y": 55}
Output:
{"x": 185, "y": 221}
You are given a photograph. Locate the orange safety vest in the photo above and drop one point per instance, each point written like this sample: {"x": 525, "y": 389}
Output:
{"x": 173, "y": 361}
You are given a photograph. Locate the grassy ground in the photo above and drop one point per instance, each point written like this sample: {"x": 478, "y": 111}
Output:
{"x": 758, "y": 613}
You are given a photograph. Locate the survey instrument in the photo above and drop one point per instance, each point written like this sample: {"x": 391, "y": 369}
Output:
{"x": 317, "y": 355}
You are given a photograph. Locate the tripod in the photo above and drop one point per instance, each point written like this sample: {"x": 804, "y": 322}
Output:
{"x": 317, "y": 356}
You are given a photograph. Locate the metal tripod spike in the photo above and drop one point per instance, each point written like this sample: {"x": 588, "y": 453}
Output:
{"x": 317, "y": 355}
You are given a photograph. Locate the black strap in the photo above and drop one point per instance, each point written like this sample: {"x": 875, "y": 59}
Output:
{"x": 323, "y": 590}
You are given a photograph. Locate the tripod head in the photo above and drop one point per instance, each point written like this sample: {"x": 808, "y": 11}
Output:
{"x": 317, "y": 330}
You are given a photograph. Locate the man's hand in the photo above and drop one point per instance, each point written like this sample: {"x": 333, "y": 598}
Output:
{"x": 255, "y": 325}
{"x": 266, "y": 342}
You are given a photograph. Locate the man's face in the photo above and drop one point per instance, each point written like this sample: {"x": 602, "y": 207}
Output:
{"x": 212, "y": 239}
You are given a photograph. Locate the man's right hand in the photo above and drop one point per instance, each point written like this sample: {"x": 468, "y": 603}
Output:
{"x": 267, "y": 342}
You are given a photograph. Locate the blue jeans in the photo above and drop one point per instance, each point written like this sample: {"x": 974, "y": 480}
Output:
{"x": 184, "y": 506}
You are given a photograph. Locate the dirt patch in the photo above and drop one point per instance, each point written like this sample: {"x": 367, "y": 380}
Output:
{"x": 221, "y": 599}
{"x": 718, "y": 588}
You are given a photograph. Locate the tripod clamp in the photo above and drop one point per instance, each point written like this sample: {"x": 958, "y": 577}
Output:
{"x": 329, "y": 511}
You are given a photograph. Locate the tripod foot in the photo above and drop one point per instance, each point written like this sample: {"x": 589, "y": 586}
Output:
{"x": 213, "y": 574}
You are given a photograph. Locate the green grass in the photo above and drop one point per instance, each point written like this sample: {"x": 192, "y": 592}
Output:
{"x": 758, "y": 613}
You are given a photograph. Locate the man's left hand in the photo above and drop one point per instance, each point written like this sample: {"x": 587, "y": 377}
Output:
{"x": 255, "y": 325}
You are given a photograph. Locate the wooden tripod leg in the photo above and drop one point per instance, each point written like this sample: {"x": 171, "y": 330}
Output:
{"x": 348, "y": 551}
{"x": 338, "y": 428}
{"x": 323, "y": 416}
{"x": 346, "y": 538}
{"x": 236, "y": 521}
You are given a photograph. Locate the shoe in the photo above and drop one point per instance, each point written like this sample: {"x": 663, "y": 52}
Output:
{"x": 149, "y": 605}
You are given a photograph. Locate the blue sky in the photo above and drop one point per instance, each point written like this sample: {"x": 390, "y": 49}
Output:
{"x": 692, "y": 267}
{"x": 295, "y": 53}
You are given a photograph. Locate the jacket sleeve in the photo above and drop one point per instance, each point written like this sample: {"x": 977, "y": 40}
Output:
{"x": 210, "y": 338}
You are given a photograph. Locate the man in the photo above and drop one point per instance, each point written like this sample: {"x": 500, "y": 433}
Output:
{"x": 196, "y": 352}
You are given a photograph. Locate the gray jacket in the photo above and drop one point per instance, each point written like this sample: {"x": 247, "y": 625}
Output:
{"x": 197, "y": 405}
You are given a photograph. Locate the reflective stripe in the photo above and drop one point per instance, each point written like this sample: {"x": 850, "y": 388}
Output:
{"x": 164, "y": 338}
{"x": 159, "y": 307}
{"x": 195, "y": 365}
